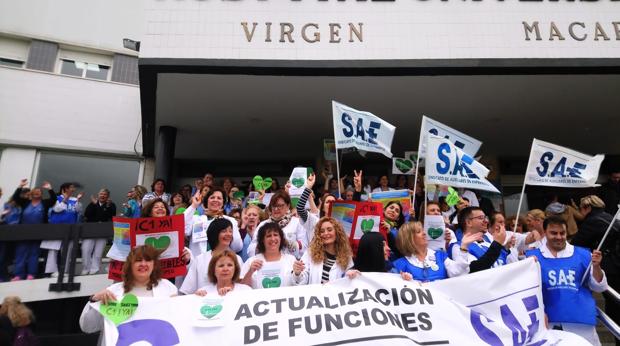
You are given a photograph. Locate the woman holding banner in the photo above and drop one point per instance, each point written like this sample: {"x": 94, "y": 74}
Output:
{"x": 294, "y": 231}
{"x": 328, "y": 256}
{"x": 141, "y": 277}
{"x": 424, "y": 264}
{"x": 196, "y": 225}
{"x": 271, "y": 267}
{"x": 219, "y": 237}
{"x": 224, "y": 270}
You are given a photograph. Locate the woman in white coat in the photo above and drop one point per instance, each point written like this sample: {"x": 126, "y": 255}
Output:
{"x": 141, "y": 277}
{"x": 196, "y": 225}
{"x": 329, "y": 255}
{"x": 294, "y": 231}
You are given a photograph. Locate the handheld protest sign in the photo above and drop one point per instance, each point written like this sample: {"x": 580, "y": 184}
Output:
{"x": 120, "y": 311}
{"x": 261, "y": 183}
{"x": 403, "y": 166}
{"x": 121, "y": 242}
{"x": 298, "y": 179}
{"x": 166, "y": 234}
{"x": 357, "y": 218}
{"x": 452, "y": 198}
{"x": 435, "y": 228}
{"x": 401, "y": 196}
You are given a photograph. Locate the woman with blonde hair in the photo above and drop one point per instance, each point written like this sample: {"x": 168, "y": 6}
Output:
{"x": 329, "y": 255}
{"x": 424, "y": 264}
{"x": 133, "y": 207}
{"x": 15, "y": 321}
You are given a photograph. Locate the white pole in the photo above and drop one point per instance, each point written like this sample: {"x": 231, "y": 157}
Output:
{"x": 514, "y": 230}
{"x": 415, "y": 181}
{"x": 338, "y": 175}
{"x": 600, "y": 244}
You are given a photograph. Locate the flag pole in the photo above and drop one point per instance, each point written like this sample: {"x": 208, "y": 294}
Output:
{"x": 514, "y": 230}
{"x": 338, "y": 174}
{"x": 600, "y": 244}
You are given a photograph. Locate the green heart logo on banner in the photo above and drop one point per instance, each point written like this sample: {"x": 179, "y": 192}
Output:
{"x": 119, "y": 312}
{"x": 404, "y": 165}
{"x": 298, "y": 182}
{"x": 160, "y": 243}
{"x": 367, "y": 225}
{"x": 210, "y": 311}
{"x": 260, "y": 183}
{"x": 272, "y": 282}
{"x": 435, "y": 233}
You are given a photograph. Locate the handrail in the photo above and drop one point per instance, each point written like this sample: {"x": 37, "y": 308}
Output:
{"x": 612, "y": 293}
{"x": 609, "y": 323}
{"x": 65, "y": 232}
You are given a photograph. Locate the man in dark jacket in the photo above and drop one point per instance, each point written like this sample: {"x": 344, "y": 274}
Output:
{"x": 590, "y": 234}
{"x": 610, "y": 192}
{"x": 101, "y": 209}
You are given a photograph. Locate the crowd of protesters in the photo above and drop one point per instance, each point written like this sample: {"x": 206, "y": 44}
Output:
{"x": 246, "y": 231}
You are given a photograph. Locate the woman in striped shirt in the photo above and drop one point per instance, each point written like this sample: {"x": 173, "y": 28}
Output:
{"x": 328, "y": 257}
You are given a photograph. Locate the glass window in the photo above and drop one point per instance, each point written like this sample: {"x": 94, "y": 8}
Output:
{"x": 72, "y": 68}
{"x": 91, "y": 173}
{"x": 95, "y": 71}
{"x": 11, "y": 62}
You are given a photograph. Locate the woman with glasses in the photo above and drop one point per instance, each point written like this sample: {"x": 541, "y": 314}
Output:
{"x": 294, "y": 232}
{"x": 424, "y": 264}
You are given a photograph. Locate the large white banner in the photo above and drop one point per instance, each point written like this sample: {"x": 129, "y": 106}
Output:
{"x": 553, "y": 165}
{"x": 500, "y": 306}
{"x": 464, "y": 142}
{"x": 448, "y": 165}
{"x": 361, "y": 130}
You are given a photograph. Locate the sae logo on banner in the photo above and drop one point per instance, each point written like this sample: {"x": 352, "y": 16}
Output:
{"x": 361, "y": 130}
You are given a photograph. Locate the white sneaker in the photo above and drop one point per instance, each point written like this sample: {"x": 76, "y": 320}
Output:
{"x": 55, "y": 274}
{"x": 93, "y": 272}
{"x": 84, "y": 272}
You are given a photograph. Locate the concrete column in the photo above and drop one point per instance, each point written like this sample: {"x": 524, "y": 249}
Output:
{"x": 164, "y": 154}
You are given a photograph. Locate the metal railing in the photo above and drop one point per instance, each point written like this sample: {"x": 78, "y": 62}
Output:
{"x": 610, "y": 324}
{"x": 66, "y": 233}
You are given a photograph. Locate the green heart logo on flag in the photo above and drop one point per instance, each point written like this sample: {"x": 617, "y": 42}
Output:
{"x": 435, "y": 233}
{"x": 404, "y": 165}
{"x": 210, "y": 311}
{"x": 298, "y": 182}
{"x": 160, "y": 243}
{"x": 272, "y": 282}
{"x": 452, "y": 198}
{"x": 367, "y": 225}
{"x": 260, "y": 183}
{"x": 119, "y": 312}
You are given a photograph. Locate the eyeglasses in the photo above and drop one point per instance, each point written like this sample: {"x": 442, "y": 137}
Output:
{"x": 279, "y": 206}
{"x": 480, "y": 217}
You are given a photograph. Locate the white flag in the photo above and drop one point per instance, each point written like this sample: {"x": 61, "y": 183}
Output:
{"x": 361, "y": 130}
{"x": 448, "y": 165}
{"x": 466, "y": 143}
{"x": 553, "y": 165}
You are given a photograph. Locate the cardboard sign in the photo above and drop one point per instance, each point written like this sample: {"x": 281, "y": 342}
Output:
{"x": 401, "y": 196}
{"x": 165, "y": 234}
{"x": 435, "y": 229}
{"x": 403, "y": 166}
{"x": 357, "y": 218}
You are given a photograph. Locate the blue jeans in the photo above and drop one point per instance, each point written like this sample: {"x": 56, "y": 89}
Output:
{"x": 27, "y": 258}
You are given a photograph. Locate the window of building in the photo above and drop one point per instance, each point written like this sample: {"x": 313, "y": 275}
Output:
{"x": 84, "y": 69}
{"x": 90, "y": 173}
{"x": 11, "y": 62}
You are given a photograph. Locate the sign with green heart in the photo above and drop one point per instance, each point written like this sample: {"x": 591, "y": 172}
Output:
{"x": 261, "y": 183}
{"x": 159, "y": 243}
{"x": 119, "y": 312}
{"x": 434, "y": 227}
{"x": 403, "y": 166}
{"x": 298, "y": 182}
{"x": 272, "y": 282}
{"x": 367, "y": 225}
{"x": 210, "y": 311}
{"x": 452, "y": 198}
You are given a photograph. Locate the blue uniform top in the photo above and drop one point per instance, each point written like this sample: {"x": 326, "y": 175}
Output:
{"x": 69, "y": 215}
{"x": 436, "y": 271}
{"x": 566, "y": 300}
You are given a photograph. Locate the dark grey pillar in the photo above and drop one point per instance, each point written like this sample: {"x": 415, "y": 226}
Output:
{"x": 164, "y": 156}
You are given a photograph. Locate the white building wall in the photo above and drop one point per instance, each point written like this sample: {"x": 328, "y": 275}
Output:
{"x": 55, "y": 111}
{"x": 95, "y": 23}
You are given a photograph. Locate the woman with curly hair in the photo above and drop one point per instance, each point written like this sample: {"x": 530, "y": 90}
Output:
{"x": 15, "y": 322}
{"x": 328, "y": 257}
